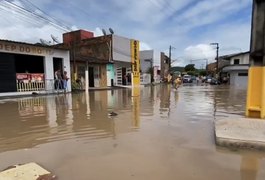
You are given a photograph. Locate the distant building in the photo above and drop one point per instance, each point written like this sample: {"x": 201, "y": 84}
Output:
{"x": 165, "y": 65}
{"x": 149, "y": 66}
{"x": 237, "y": 70}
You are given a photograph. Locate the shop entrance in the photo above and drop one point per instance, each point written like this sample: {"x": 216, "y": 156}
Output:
{"x": 91, "y": 77}
{"x": 21, "y": 72}
{"x": 29, "y": 64}
{"x": 58, "y": 64}
{"x": 29, "y": 72}
{"x": 124, "y": 78}
{"x": 7, "y": 73}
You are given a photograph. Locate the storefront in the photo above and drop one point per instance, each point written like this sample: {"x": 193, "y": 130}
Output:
{"x": 29, "y": 68}
{"x": 97, "y": 76}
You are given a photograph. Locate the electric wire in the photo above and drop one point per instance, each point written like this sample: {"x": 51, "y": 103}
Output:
{"x": 25, "y": 11}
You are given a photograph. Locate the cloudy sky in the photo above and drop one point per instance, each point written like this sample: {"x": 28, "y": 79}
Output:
{"x": 187, "y": 25}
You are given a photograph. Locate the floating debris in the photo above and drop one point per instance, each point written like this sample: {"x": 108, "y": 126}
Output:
{"x": 29, "y": 171}
{"x": 113, "y": 114}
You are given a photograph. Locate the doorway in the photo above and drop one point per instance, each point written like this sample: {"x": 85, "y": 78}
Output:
{"x": 124, "y": 79}
{"x": 58, "y": 64}
{"x": 91, "y": 76}
{"x": 7, "y": 73}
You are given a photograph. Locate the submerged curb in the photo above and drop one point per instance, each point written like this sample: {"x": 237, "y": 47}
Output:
{"x": 247, "y": 133}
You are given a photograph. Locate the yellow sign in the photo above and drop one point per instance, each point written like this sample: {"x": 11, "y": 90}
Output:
{"x": 135, "y": 62}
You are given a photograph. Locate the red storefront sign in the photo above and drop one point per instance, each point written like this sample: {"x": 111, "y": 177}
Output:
{"x": 37, "y": 77}
{"x": 27, "y": 77}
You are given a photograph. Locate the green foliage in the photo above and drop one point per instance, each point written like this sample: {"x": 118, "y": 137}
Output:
{"x": 203, "y": 73}
{"x": 190, "y": 67}
{"x": 177, "y": 68}
{"x": 192, "y": 73}
{"x": 75, "y": 85}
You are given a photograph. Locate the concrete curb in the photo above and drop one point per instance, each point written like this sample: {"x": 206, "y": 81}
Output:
{"x": 246, "y": 133}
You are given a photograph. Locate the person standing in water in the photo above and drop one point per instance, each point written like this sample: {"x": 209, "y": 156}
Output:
{"x": 65, "y": 79}
{"x": 177, "y": 82}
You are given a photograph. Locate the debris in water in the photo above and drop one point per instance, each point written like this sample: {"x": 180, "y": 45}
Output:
{"x": 29, "y": 171}
{"x": 113, "y": 114}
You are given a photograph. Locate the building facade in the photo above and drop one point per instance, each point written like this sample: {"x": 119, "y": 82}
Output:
{"x": 27, "y": 68}
{"x": 88, "y": 52}
{"x": 164, "y": 65}
{"x": 237, "y": 70}
{"x": 122, "y": 60}
{"x": 149, "y": 66}
{"x": 108, "y": 58}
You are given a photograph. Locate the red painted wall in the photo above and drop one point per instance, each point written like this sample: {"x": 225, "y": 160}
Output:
{"x": 76, "y": 36}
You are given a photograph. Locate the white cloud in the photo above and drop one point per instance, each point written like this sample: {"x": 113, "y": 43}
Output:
{"x": 200, "y": 51}
{"x": 98, "y": 32}
{"x": 206, "y": 12}
{"x": 144, "y": 46}
{"x": 156, "y": 23}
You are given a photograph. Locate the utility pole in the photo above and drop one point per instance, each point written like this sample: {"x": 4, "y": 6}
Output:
{"x": 217, "y": 56}
{"x": 169, "y": 63}
{"x": 170, "y": 49}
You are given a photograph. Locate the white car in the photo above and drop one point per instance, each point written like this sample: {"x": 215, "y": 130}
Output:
{"x": 187, "y": 79}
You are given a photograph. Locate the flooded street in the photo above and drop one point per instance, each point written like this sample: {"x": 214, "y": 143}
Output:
{"x": 164, "y": 134}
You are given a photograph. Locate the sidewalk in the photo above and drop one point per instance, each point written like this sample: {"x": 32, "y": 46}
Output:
{"x": 44, "y": 93}
{"x": 241, "y": 133}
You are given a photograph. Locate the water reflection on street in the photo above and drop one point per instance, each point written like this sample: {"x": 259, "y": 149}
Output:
{"x": 162, "y": 134}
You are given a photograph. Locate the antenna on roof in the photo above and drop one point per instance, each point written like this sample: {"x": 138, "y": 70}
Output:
{"x": 55, "y": 39}
{"x": 111, "y": 31}
{"x": 44, "y": 42}
{"x": 104, "y": 32}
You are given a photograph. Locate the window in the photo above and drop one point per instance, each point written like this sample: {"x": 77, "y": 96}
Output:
{"x": 236, "y": 61}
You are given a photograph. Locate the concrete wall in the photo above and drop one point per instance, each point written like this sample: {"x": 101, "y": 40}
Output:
{"x": 121, "y": 49}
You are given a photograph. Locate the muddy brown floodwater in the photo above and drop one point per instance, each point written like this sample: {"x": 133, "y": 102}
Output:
{"x": 163, "y": 135}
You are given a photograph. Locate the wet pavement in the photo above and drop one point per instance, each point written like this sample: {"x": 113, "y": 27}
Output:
{"x": 164, "y": 134}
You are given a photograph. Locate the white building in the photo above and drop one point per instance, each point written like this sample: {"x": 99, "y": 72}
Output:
{"x": 27, "y": 68}
{"x": 238, "y": 69}
{"x": 149, "y": 59}
{"x": 121, "y": 52}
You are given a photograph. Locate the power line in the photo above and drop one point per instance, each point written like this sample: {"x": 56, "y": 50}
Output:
{"x": 19, "y": 14}
{"x": 59, "y": 22}
{"x": 26, "y": 12}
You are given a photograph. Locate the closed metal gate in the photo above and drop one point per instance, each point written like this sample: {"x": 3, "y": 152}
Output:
{"x": 119, "y": 76}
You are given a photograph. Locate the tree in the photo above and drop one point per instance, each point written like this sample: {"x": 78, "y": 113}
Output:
{"x": 190, "y": 67}
{"x": 203, "y": 73}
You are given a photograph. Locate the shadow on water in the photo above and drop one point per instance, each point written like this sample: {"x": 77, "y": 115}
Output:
{"x": 163, "y": 130}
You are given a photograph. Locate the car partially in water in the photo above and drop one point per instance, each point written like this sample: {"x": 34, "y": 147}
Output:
{"x": 215, "y": 81}
{"x": 187, "y": 79}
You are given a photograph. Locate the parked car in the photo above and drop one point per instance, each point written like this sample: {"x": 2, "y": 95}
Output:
{"x": 207, "y": 79}
{"x": 187, "y": 79}
{"x": 215, "y": 81}
{"x": 193, "y": 78}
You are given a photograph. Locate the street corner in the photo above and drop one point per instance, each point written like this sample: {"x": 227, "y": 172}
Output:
{"x": 245, "y": 133}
